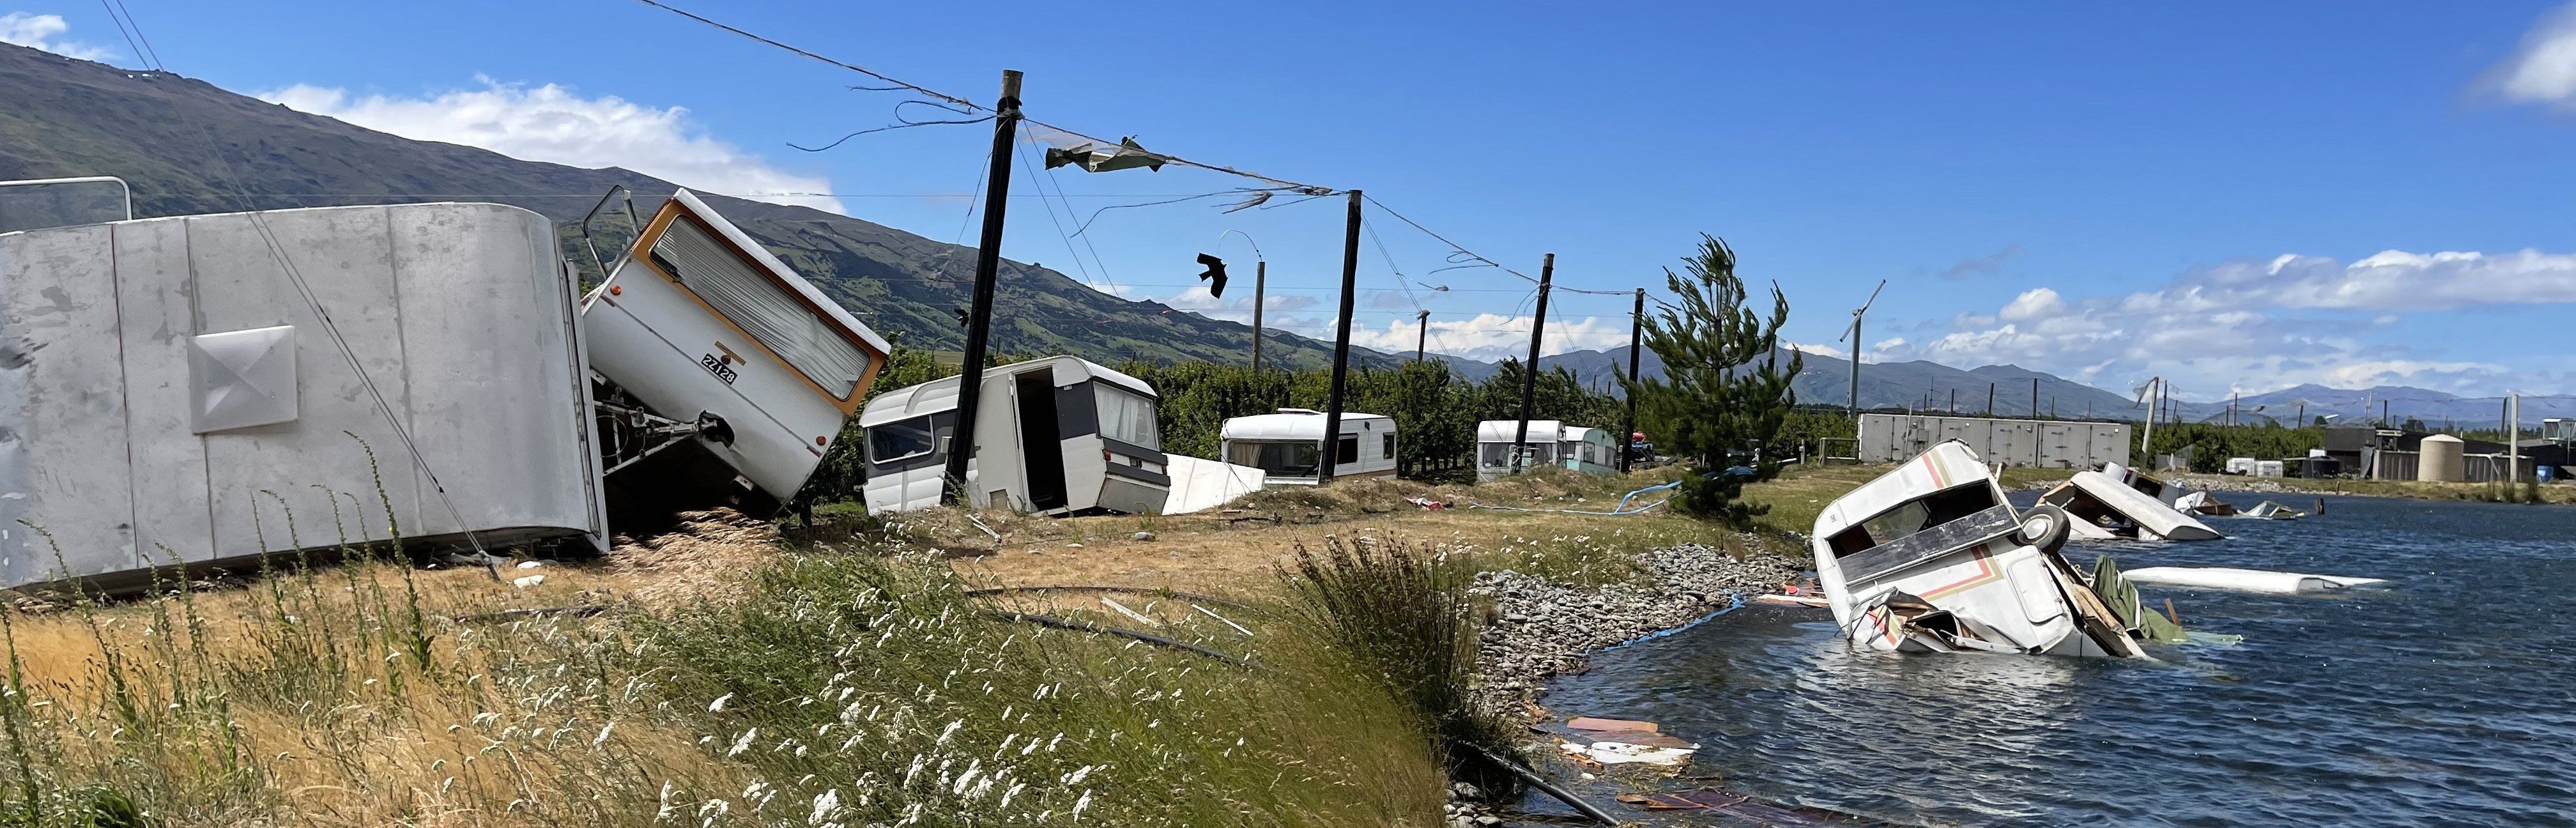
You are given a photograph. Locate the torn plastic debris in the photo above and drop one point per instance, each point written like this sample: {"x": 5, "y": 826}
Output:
{"x": 1624, "y": 742}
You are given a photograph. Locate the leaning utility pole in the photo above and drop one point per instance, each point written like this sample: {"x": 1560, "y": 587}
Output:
{"x": 1423, "y": 336}
{"x": 1332, "y": 449}
{"x": 1260, "y": 284}
{"x": 2147, "y": 436}
{"x": 1990, "y": 399}
{"x": 1636, "y": 343}
{"x": 1529, "y": 370}
{"x": 1856, "y": 349}
{"x": 988, "y": 266}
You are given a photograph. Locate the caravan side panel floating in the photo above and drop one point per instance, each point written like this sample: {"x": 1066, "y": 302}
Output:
{"x": 702, "y": 324}
{"x": 164, "y": 382}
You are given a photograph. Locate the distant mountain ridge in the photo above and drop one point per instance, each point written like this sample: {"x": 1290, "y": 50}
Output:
{"x": 1827, "y": 380}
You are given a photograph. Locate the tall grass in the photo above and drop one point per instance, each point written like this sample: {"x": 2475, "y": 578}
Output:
{"x": 1405, "y": 615}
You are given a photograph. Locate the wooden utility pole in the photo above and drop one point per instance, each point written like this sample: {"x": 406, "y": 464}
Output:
{"x": 1332, "y": 448}
{"x": 1990, "y": 399}
{"x": 988, "y": 266}
{"x": 2034, "y": 398}
{"x": 1954, "y": 400}
{"x": 1260, "y": 285}
{"x": 1423, "y": 336}
{"x": 1529, "y": 370}
{"x": 1636, "y": 344}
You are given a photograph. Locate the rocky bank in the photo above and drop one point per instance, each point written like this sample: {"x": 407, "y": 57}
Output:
{"x": 1542, "y": 628}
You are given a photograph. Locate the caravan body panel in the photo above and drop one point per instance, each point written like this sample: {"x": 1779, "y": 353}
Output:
{"x": 134, "y": 420}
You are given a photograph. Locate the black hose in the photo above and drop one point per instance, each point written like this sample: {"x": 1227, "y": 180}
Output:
{"x": 1086, "y": 626}
{"x": 1540, "y": 782}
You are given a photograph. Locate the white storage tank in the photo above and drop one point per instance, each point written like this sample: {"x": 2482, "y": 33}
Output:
{"x": 2441, "y": 460}
{"x": 169, "y": 383}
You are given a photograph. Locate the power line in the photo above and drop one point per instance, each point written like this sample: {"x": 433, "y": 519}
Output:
{"x": 1309, "y": 189}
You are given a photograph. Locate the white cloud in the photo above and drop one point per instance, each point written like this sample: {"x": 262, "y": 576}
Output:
{"x": 1492, "y": 336}
{"x": 2036, "y": 303}
{"x": 43, "y": 31}
{"x": 552, "y": 123}
{"x": 2543, "y": 69}
{"x": 1820, "y": 350}
{"x": 1236, "y": 308}
{"x": 2259, "y": 325}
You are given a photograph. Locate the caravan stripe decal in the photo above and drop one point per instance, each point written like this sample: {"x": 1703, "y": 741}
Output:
{"x": 1986, "y": 574}
{"x": 1939, "y": 481}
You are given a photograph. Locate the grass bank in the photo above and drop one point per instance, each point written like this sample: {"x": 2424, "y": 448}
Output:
{"x": 850, "y": 674}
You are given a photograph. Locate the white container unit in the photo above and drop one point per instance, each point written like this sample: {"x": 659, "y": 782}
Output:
{"x": 168, "y": 383}
{"x": 703, "y": 325}
{"x": 1288, "y": 446}
{"x": 1054, "y": 436}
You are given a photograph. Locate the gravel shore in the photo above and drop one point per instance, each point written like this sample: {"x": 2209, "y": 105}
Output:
{"x": 1542, "y": 628}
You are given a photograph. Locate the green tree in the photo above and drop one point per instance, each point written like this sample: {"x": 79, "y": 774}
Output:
{"x": 1726, "y": 393}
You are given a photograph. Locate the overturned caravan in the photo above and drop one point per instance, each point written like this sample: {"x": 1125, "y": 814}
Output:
{"x": 2106, "y": 508}
{"x": 1931, "y": 558}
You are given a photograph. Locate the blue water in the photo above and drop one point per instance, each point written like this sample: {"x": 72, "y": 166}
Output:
{"x": 2449, "y": 699}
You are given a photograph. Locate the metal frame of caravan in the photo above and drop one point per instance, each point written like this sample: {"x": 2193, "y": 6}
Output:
{"x": 1056, "y": 436}
{"x": 1374, "y": 444}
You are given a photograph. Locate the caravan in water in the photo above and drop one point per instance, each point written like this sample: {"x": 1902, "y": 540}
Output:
{"x": 1931, "y": 558}
{"x": 2106, "y": 508}
{"x": 1055, "y": 436}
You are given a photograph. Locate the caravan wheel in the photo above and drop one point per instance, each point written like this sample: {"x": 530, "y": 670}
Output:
{"x": 2044, "y": 526}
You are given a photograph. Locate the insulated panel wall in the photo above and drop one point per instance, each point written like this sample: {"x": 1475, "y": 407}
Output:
{"x": 1895, "y": 438}
{"x": 459, "y": 314}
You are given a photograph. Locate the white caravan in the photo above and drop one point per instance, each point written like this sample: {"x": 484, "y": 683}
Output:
{"x": 1552, "y": 443}
{"x": 1288, "y": 446}
{"x": 177, "y": 387}
{"x": 716, "y": 338}
{"x": 1066, "y": 437}
{"x": 1931, "y": 558}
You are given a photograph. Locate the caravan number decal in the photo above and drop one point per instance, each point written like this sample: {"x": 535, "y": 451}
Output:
{"x": 717, "y": 367}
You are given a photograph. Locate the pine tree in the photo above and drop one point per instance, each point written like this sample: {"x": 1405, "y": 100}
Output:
{"x": 1725, "y": 393}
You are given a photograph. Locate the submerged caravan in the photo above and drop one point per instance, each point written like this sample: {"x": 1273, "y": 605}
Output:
{"x": 1930, "y": 557}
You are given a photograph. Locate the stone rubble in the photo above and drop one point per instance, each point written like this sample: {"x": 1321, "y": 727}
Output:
{"x": 1541, "y": 629}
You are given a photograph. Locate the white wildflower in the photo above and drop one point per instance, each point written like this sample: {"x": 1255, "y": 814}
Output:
{"x": 743, "y": 743}
{"x": 718, "y": 705}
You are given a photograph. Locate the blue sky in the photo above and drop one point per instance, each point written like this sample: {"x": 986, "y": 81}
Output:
{"x": 2233, "y": 197}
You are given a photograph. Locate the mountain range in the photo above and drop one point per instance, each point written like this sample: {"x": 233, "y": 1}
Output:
{"x": 186, "y": 146}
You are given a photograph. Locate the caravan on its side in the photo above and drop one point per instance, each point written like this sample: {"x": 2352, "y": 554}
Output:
{"x": 1067, "y": 437}
{"x": 1932, "y": 558}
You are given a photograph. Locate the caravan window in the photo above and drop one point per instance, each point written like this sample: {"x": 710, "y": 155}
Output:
{"x": 1279, "y": 459}
{"x": 1127, "y": 417}
{"x": 763, "y": 307}
{"x": 900, "y": 439}
{"x": 1387, "y": 450}
{"x": 1913, "y": 516}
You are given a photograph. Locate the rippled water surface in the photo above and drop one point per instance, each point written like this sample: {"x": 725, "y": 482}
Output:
{"x": 2449, "y": 699}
